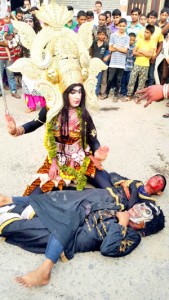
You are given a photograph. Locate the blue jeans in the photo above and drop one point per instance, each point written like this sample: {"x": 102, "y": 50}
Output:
{"x": 151, "y": 74}
{"x": 54, "y": 249}
{"x": 99, "y": 79}
{"x": 5, "y": 63}
{"x": 124, "y": 82}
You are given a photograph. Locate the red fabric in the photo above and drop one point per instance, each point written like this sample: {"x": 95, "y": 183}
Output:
{"x": 4, "y": 55}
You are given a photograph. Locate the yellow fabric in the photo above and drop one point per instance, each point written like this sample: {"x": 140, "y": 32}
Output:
{"x": 7, "y": 222}
{"x": 145, "y": 45}
{"x": 156, "y": 37}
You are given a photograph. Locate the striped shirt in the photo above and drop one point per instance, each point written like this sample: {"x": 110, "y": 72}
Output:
{"x": 118, "y": 59}
{"x": 4, "y": 55}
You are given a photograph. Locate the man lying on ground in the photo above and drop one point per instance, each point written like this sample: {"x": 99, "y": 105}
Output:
{"x": 67, "y": 222}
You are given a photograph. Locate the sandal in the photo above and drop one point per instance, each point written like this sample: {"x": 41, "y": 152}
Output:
{"x": 166, "y": 116}
{"x": 103, "y": 97}
{"x": 128, "y": 98}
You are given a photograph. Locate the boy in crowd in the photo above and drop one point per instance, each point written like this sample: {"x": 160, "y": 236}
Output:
{"x": 98, "y": 49}
{"x": 129, "y": 65}
{"x": 19, "y": 14}
{"x": 118, "y": 45}
{"x": 143, "y": 51}
{"x": 81, "y": 18}
{"x": 134, "y": 25}
{"x": 116, "y": 16}
{"x": 72, "y": 23}
{"x": 143, "y": 20}
{"x": 163, "y": 17}
{"x": 157, "y": 38}
{"x": 108, "y": 14}
{"x": 102, "y": 23}
{"x": 7, "y": 34}
{"x": 89, "y": 15}
{"x": 97, "y": 11}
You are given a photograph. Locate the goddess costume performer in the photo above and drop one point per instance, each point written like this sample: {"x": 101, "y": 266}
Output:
{"x": 60, "y": 59}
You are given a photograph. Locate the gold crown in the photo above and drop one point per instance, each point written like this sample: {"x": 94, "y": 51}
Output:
{"x": 59, "y": 57}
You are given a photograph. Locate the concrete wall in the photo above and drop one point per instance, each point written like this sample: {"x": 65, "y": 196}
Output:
{"x": 88, "y": 5}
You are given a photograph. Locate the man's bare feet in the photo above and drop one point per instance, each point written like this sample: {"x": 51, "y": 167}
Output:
{"x": 39, "y": 277}
{"x": 4, "y": 200}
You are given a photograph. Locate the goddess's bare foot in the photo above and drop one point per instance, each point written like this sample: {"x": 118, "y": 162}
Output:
{"x": 4, "y": 200}
{"x": 29, "y": 110}
{"x": 39, "y": 277}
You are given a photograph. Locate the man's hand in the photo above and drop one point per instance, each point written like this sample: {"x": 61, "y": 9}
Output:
{"x": 11, "y": 125}
{"x": 126, "y": 190}
{"x": 152, "y": 93}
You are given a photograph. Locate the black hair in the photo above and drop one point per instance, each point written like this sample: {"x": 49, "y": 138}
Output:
{"x": 156, "y": 224}
{"x": 81, "y": 13}
{"x": 98, "y": 2}
{"x": 136, "y": 9}
{"x": 90, "y": 13}
{"x": 19, "y": 10}
{"x": 65, "y": 110}
{"x": 104, "y": 15}
{"x": 164, "y": 179}
{"x": 34, "y": 8}
{"x": 132, "y": 34}
{"x": 142, "y": 15}
{"x": 37, "y": 26}
{"x": 152, "y": 13}
{"x": 69, "y": 7}
{"x": 107, "y": 12}
{"x": 116, "y": 12}
{"x": 122, "y": 20}
{"x": 102, "y": 29}
{"x": 165, "y": 9}
{"x": 150, "y": 28}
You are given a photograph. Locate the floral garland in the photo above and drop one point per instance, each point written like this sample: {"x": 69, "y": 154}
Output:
{"x": 78, "y": 175}
{"x": 67, "y": 172}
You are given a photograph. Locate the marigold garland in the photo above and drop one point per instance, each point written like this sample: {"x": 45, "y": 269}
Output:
{"x": 67, "y": 172}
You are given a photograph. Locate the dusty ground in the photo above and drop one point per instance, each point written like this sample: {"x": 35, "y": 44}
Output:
{"x": 139, "y": 143}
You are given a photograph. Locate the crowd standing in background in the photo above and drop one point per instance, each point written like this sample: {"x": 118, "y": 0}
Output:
{"x": 136, "y": 52}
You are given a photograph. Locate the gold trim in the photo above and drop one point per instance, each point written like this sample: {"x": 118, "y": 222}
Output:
{"x": 3, "y": 225}
{"x": 116, "y": 198}
{"x": 146, "y": 197}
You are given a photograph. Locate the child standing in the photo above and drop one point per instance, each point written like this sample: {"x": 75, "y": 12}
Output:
{"x": 118, "y": 45}
{"x": 129, "y": 65}
{"x": 81, "y": 18}
{"x": 98, "y": 49}
{"x": 144, "y": 50}
{"x": 8, "y": 35}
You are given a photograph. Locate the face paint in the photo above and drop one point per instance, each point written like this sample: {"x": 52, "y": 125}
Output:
{"x": 140, "y": 212}
{"x": 156, "y": 183}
